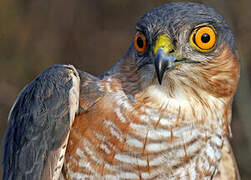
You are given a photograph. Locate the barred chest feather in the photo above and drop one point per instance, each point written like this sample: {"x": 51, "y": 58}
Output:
{"x": 155, "y": 137}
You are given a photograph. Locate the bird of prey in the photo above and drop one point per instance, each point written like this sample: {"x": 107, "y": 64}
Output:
{"x": 163, "y": 111}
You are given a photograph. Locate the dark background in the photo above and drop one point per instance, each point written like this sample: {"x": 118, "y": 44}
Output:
{"x": 93, "y": 35}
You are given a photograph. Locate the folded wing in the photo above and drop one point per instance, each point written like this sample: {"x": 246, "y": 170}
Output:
{"x": 39, "y": 124}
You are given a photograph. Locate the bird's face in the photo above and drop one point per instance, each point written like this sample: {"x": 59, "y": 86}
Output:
{"x": 187, "y": 45}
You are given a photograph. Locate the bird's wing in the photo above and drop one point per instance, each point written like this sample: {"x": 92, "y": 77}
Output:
{"x": 228, "y": 169}
{"x": 39, "y": 123}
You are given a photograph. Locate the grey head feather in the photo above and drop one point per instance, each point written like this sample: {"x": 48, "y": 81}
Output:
{"x": 172, "y": 17}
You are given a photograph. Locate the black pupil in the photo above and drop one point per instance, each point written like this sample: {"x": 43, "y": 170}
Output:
{"x": 205, "y": 38}
{"x": 140, "y": 42}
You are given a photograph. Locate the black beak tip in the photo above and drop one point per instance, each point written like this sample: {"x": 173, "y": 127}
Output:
{"x": 159, "y": 82}
{"x": 161, "y": 63}
{"x": 159, "y": 78}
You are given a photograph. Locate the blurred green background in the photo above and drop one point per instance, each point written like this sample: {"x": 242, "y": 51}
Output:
{"x": 93, "y": 35}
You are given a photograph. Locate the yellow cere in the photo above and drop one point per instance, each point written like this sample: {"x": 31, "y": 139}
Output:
{"x": 163, "y": 42}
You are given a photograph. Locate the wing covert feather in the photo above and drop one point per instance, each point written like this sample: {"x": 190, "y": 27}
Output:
{"x": 39, "y": 124}
{"x": 91, "y": 90}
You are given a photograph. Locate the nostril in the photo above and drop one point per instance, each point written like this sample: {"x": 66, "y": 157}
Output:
{"x": 171, "y": 51}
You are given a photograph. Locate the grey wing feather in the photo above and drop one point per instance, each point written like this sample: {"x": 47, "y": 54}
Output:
{"x": 39, "y": 124}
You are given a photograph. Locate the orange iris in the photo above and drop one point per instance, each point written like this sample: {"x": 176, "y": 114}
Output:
{"x": 204, "y": 38}
{"x": 140, "y": 42}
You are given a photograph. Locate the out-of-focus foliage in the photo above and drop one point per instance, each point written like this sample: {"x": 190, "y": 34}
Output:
{"x": 93, "y": 35}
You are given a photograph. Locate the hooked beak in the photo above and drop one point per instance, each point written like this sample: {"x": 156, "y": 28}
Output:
{"x": 165, "y": 56}
{"x": 163, "y": 63}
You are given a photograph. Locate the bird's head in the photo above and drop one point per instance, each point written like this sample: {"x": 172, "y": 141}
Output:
{"x": 184, "y": 46}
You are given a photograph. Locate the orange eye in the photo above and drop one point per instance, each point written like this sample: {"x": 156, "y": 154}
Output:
{"x": 140, "y": 42}
{"x": 203, "y": 38}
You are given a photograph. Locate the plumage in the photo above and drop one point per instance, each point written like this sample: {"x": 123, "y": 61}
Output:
{"x": 162, "y": 112}
{"x": 39, "y": 125}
